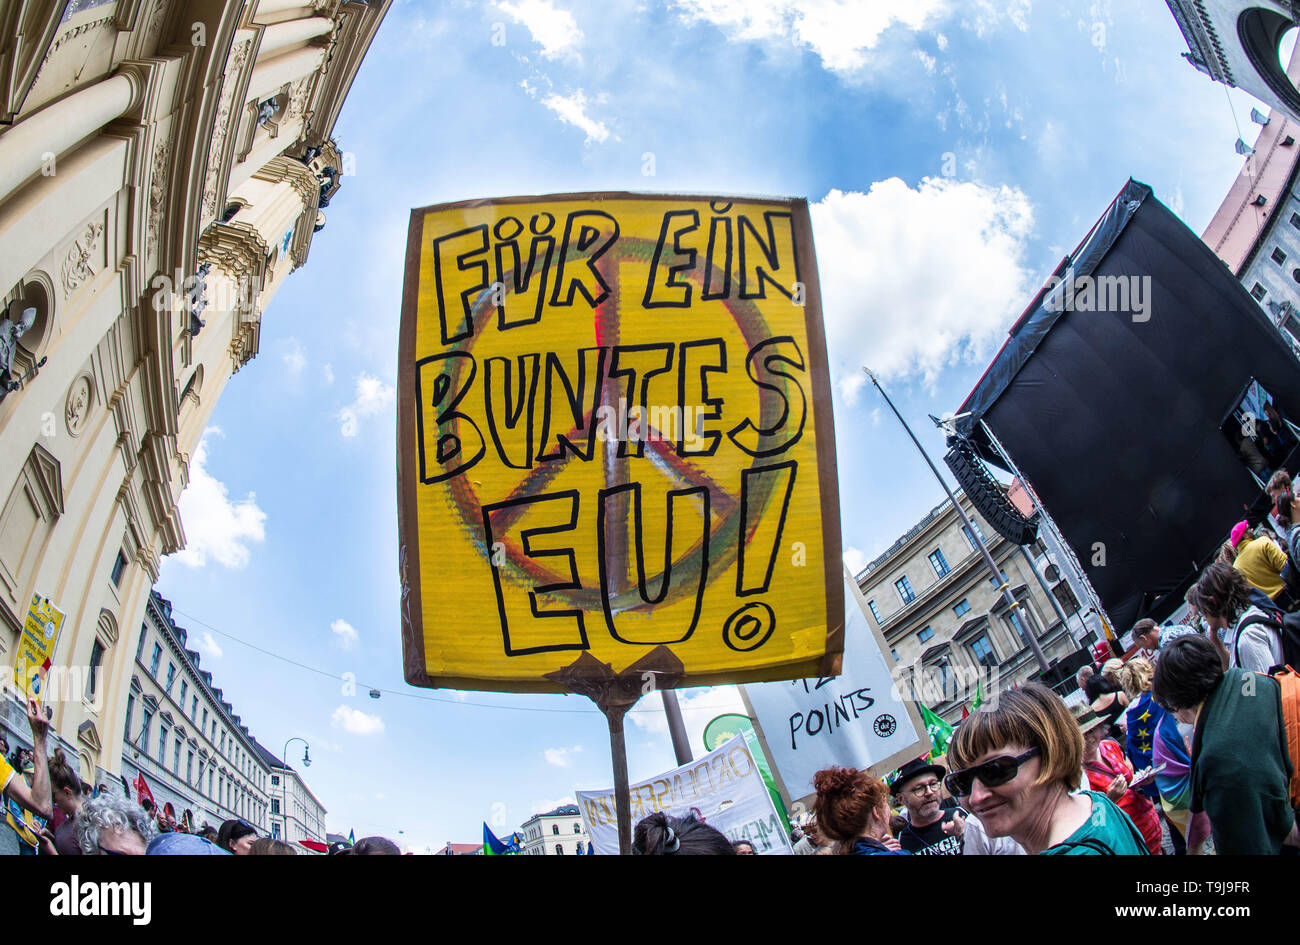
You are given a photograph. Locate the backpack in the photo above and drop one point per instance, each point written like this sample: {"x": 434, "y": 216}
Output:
{"x": 1286, "y": 626}
{"x": 1289, "y": 683}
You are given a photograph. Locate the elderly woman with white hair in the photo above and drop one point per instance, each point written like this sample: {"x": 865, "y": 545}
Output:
{"x": 114, "y": 824}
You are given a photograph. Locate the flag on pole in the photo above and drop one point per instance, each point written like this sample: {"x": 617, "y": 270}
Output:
{"x": 352, "y": 838}
{"x": 495, "y": 848}
{"x": 979, "y": 695}
{"x": 142, "y": 792}
{"x": 940, "y": 732}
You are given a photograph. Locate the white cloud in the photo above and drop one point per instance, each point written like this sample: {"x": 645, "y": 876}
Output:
{"x": 542, "y": 806}
{"x": 572, "y": 110}
{"x": 295, "y": 358}
{"x": 344, "y": 633}
{"x": 556, "y": 31}
{"x": 213, "y": 524}
{"x": 373, "y": 396}
{"x": 840, "y": 32}
{"x": 355, "y": 722}
{"x": 561, "y": 757}
{"x": 327, "y": 372}
{"x": 854, "y": 559}
{"x": 699, "y": 708}
{"x": 206, "y": 646}
{"x": 916, "y": 279}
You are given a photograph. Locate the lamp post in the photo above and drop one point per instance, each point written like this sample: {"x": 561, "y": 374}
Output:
{"x": 284, "y": 782}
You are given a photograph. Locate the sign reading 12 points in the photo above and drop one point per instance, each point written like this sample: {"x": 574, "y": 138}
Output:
{"x": 615, "y": 435}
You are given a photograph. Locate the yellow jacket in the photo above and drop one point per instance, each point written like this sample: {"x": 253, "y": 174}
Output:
{"x": 1261, "y": 563}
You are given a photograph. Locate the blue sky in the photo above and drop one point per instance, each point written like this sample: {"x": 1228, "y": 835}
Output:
{"x": 952, "y": 153}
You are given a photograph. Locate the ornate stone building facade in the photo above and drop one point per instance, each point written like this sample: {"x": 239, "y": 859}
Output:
{"x": 163, "y": 168}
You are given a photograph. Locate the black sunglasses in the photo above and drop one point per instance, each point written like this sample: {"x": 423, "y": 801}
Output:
{"x": 993, "y": 773}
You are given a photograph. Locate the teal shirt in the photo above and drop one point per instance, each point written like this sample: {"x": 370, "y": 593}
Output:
{"x": 1107, "y": 831}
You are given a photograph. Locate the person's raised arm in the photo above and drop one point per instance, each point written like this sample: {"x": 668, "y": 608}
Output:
{"x": 36, "y": 798}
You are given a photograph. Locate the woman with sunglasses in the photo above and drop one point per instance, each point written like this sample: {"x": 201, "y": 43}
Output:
{"x": 1018, "y": 761}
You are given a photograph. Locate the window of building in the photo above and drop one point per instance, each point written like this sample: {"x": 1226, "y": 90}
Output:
{"x": 96, "y": 657}
{"x": 119, "y": 568}
{"x": 555, "y": 829}
{"x": 194, "y": 708}
{"x": 559, "y": 849}
{"x": 875, "y": 611}
{"x": 1258, "y": 292}
{"x": 994, "y": 583}
{"x": 1014, "y": 621}
{"x": 162, "y": 745}
{"x": 171, "y": 677}
{"x": 275, "y": 780}
{"x": 205, "y": 717}
{"x": 143, "y": 740}
{"x": 895, "y": 654}
{"x": 1065, "y": 595}
{"x": 130, "y": 710}
{"x": 176, "y": 757}
{"x": 963, "y": 607}
{"x": 1278, "y": 256}
{"x": 939, "y": 562}
{"x": 1295, "y": 220}
{"x": 153, "y": 660}
{"x": 275, "y": 805}
{"x": 577, "y": 828}
{"x": 185, "y": 688}
{"x": 983, "y": 651}
{"x": 189, "y": 767}
{"x": 925, "y": 634}
{"x": 905, "y": 589}
{"x": 139, "y": 647}
{"x": 971, "y": 538}
{"x": 275, "y": 831}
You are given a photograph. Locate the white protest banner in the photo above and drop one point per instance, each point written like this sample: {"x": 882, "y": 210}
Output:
{"x": 856, "y": 719}
{"x": 724, "y": 789}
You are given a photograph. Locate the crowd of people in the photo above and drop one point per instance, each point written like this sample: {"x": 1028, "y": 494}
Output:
{"x": 1180, "y": 749}
{"x": 51, "y": 811}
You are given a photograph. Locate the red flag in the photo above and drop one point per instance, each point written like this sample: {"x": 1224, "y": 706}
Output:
{"x": 965, "y": 712}
{"x": 142, "y": 792}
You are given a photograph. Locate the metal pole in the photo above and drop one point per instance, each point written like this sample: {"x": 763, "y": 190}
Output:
{"x": 1056, "y": 604}
{"x": 676, "y": 727}
{"x": 284, "y": 787}
{"x": 1002, "y": 585}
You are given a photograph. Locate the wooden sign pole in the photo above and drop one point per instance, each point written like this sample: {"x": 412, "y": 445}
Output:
{"x": 622, "y": 797}
{"x": 614, "y": 694}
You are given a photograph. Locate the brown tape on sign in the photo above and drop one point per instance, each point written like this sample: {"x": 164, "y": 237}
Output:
{"x": 614, "y": 434}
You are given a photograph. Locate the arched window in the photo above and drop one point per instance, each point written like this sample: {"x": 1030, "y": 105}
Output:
{"x": 559, "y": 849}
{"x": 577, "y": 828}
{"x": 555, "y": 829}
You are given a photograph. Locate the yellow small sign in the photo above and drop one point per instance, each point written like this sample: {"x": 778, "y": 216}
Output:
{"x": 36, "y": 648}
{"x": 615, "y": 436}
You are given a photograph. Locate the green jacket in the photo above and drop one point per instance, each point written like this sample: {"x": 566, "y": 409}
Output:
{"x": 1240, "y": 767}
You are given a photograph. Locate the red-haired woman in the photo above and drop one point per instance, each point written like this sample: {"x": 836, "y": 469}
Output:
{"x": 852, "y": 808}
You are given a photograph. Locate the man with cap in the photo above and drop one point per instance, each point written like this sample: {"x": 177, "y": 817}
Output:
{"x": 931, "y": 830}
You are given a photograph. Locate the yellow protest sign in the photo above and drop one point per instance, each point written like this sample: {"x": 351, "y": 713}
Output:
{"x": 36, "y": 648}
{"x": 615, "y": 437}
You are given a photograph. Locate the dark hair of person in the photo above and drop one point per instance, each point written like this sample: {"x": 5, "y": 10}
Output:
{"x": 231, "y": 831}
{"x": 663, "y": 835}
{"x": 62, "y": 776}
{"x": 1222, "y": 592}
{"x": 1143, "y": 627}
{"x": 1189, "y": 669}
{"x": 846, "y": 799}
{"x": 267, "y": 846}
{"x": 376, "y": 846}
